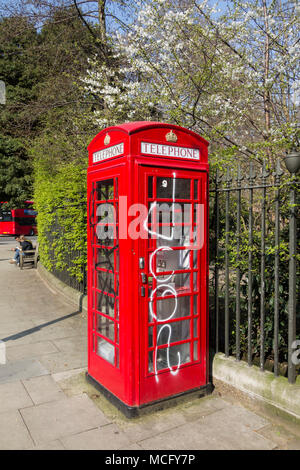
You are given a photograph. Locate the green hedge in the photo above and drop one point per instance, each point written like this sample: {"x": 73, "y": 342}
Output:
{"x": 60, "y": 199}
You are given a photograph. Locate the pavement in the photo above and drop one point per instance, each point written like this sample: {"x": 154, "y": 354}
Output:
{"x": 46, "y": 403}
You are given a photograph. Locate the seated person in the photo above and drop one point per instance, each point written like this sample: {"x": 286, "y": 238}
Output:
{"x": 25, "y": 245}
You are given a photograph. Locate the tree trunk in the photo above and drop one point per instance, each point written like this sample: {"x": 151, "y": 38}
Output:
{"x": 266, "y": 70}
{"x": 102, "y": 23}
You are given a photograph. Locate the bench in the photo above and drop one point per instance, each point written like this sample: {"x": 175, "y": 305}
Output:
{"x": 29, "y": 256}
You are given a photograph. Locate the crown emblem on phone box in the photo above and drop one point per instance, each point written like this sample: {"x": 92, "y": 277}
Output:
{"x": 171, "y": 136}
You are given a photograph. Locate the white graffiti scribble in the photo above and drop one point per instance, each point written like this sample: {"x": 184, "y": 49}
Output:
{"x": 173, "y": 372}
{"x": 152, "y": 271}
{"x": 166, "y": 288}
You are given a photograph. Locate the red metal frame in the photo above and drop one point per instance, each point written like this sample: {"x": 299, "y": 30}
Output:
{"x": 123, "y": 369}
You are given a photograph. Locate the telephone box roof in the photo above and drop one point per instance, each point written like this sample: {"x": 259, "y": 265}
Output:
{"x": 133, "y": 127}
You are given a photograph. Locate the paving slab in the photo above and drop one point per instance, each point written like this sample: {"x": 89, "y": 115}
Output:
{"x": 23, "y": 369}
{"x": 13, "y": 396}
{"x": 42, "y": 389}
{"x": 51, "y": 421}
{"x": 54, "y": 445}
{"x": 242, "y": 417}
{"x": 14, "y": 434}
{"x": 16, "y": 332}
{"x": 52, "y": 332}
{"x": 293, "y": 444}
{"x": 30, "y": 350}
{"x": 152, "y": 425}
{"x": 11, "y": 326}
{"x": 64, "y": 361}
{"x": 278, "y": 435}
{"x": 202, "y": 407}
{"x": 63, "y": 315}
{"x": 214, "y": 432}
{"x": 73, "y": 344}
{"x": 61, "y": 376}
{"x": 108, "y": 437}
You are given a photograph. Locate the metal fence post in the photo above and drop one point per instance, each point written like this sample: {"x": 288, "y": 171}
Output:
{"x": 278, "y": 173}
{"x": 250, "y": 246}
{"x": 292, "y": 283}
{"x": 239, "y": 179}
{"x": 264, "y": 174}
{"x": 217, "y": 228}
{"x": 228, "y": 180}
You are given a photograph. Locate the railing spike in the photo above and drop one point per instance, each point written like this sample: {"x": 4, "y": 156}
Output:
{"x": 278, "y": 170}
{"x": 228, "y": 177}
{"x": 264, "y": 171}
{"x": 239, "y": 176}
{"x": 252, "y": 174}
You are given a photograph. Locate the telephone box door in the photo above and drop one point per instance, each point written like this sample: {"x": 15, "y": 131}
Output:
{"x": 103, "y": 258}
{"x": 173, "y": 282}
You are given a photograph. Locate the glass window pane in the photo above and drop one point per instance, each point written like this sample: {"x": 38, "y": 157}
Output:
{"x": 116, "y": 188}
{"x": 179, "y": 354}
{"x": 180, "y": 282}
{"x": 150, "y": 361}
{"x": 169, "y": 235}
{"x": 105, "y": 190}
{"x": 175, "y": 307}
{"x": 196, "y": 354}
{"x": 106, "y": 259}
{"x": 106, "y": 282}
{"x": 169, "y": 212}
{"x": 196, "y": 305}
{"x": 150, "y": 337}
{"x": 181, "y": 238}
{"x": 173, "y": 332}
{"x": 164, "y": 187}
{"x": 117, "y": 332}
{"x": 105, "y": 304}
{"x": 150, "y": 186}
{"x": 117, "y": 357}
{"x": 195, "y": 258}
{"x": 106, "y": 222}
{"x": 183, "y": 306}
{"x": 172, "y": 260}
{"x": 117, "y": 308}
{"x": 106, "y": 350}
{"x": 196, "y": 189}
{"x": 195, "y": 281}
{"x": 116, "y": 264}
{"x": 196, "y": 328}
{"x": 5, "y": 216}
{"x": 106, "y": 327}
{"x": 167, "y": 188}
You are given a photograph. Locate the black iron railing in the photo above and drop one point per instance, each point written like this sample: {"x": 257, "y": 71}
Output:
{"x": 253, "y": 237}
{"x": 66, "y": 277}
{"x": 64, "y": 267}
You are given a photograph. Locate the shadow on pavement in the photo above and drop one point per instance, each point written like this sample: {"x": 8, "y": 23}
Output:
{"x": 29, "y": 331}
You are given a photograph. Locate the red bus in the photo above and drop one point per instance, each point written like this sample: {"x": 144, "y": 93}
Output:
{"x": 18, "y": 221}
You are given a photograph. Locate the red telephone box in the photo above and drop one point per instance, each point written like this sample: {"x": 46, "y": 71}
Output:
{"x": 147, "y": 263}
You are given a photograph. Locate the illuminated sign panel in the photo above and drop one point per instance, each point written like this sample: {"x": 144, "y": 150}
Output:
{"x": 109, "y": 152}
{"x": 169, "y": 151}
